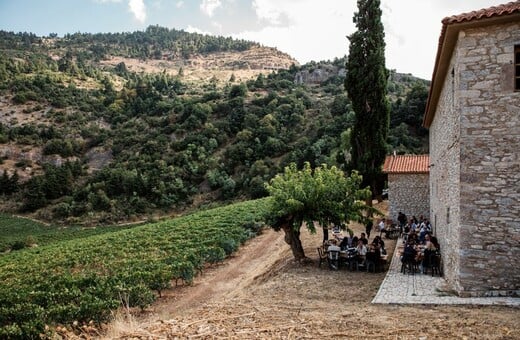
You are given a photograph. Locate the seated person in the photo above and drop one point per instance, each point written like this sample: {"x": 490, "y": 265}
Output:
{"x": 361, "y": 251}
{"x": 354, "y": 241}
{"x": 435, "y": 242}
{"x": 406, "y": 229}
{"x": 422, "y": 233}
{"x": 364, "y": 239}
{"x": 429, "y": 244}
{"x": 345, "y": 243}
{"x": 333, "y": 246}
{"x": 374, "y": 255}
{"x": 429, "y": 249}
{"x": 409, "y": 253}
{"x": 378, "y": 242}
{"x": 412, "y": 238}
{"x": 333, "y": 260}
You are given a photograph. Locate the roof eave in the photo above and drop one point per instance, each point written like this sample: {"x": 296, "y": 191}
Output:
{"x": 449, "y": 33}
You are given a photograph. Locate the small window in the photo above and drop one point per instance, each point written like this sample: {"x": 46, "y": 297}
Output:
{"x": 517, "y": 67}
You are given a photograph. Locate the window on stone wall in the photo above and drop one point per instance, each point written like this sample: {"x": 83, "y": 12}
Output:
{"x": 517, "y": 67}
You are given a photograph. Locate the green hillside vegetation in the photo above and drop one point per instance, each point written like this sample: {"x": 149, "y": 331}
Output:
{"x": 165, "y": 144}
{"x": 85, "y": 279}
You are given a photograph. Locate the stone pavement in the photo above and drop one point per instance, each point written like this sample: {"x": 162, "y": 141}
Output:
{"x": 418, "y": 288}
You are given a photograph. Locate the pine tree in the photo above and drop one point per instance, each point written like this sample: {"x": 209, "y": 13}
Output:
{"x": 366, "y": 82}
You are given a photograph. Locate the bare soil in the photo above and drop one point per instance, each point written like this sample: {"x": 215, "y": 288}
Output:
{"x": 261, "y": 293}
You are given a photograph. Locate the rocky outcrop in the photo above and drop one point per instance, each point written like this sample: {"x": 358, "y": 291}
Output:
{"x": 318, "y": 75}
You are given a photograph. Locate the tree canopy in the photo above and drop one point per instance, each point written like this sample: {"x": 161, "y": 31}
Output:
{"x": 366, "y": 85}
{"x": 322, "y": 195}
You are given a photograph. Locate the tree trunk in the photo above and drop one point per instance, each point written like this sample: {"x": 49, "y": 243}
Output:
{"x": 325, "y": 234}
{"x": 292, "y": 238}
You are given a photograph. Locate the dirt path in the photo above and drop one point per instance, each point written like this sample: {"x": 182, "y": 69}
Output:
{"x": 260, "y": 293}
{"x": 257, "y": 258}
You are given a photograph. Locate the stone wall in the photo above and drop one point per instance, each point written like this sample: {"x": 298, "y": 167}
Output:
{"x": 444, "y": 179}
{"x": 408, "y": 193}
{"x": 475, "y": 180}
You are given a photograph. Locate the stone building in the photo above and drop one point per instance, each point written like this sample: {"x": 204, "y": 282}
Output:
{"x": 408, "y": 185}
{"x": 473, "y": 116}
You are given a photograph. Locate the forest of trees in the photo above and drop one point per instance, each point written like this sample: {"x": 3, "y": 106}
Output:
{"x": 169, "y": 141}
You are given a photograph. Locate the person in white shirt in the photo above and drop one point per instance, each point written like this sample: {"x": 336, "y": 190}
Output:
{"x": 333, "y": 246}
{"x": 333, "y": 259}
{"x": 381, "y": 226}
{"x": 361, "y": 252}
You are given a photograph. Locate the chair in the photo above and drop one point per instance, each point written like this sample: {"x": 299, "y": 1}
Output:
{"x": 351, "y": 260}
{"x": 322, "y": 256}
{"x": 333, "y": 259}
{"x": 408, "y": 263}
{"x": 372, "y": 261}
{"x": 435, "y": 264}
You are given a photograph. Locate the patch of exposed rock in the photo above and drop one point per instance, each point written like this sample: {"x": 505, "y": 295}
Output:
{"x": 318, "y": 75}
{"x": 98, "y": 158}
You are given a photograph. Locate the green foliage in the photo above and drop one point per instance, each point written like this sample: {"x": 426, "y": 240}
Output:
{"x": 9, "y": 183}
{"x": 86, "y": 278}
{"x": 366, "y": 85}
{"x": 321, "y": 195}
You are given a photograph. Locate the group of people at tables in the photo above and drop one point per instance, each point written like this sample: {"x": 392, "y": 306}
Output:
{"x": 355, "y": 248}
{"x": 419, "y": 242}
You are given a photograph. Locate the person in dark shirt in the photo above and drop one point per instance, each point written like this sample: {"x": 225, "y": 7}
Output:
{"x": 379, "y": 243}
{"x": 409, "y": 252}
{"x": 363, "y": 238}
{"x": 368, "y": 228}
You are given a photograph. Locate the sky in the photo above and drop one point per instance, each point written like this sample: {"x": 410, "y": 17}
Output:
{"x": 305, "y": 29}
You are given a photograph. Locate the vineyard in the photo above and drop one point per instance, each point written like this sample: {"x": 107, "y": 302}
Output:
{"x": 83, "y": 280}
{"x": 18, "y": 233}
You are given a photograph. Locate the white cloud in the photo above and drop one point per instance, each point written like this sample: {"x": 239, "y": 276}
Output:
{"x": 179, "y": 4}
{"x": 138, "y": 8}
{"x": 268, "y": 10}
{"x": 192, "y": 29}
{"x": 313, "y": 30}
{"x": 208, "y": 7}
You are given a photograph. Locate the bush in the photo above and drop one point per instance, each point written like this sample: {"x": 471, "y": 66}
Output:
{"x": 17, "y": 245}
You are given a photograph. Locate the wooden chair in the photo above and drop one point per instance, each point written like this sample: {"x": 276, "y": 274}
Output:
{"x": 322, "y": 256}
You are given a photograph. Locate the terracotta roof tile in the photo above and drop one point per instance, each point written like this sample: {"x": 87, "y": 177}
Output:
{"x": 475, "y": 17}
{"x": 483, "y": 13}
{"x": 407, "y": 164}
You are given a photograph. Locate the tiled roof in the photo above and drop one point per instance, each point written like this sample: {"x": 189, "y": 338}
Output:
{"x": 407, "y": 164}
{"x": 449, "y": 32}
{"x": 483, "y": 13}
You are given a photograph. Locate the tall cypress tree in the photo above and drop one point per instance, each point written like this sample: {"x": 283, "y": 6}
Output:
{"x": 366, "y": 82}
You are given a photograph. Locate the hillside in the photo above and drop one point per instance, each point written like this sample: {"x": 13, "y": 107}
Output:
{"x": 115, "y": 127}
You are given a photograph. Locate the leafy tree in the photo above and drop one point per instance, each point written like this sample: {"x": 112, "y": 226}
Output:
{"x": 9, "y": 184}
{"x": 238, "y": 91}
{"x": 366, "y": 85}
{"x": 322, "y": 195}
